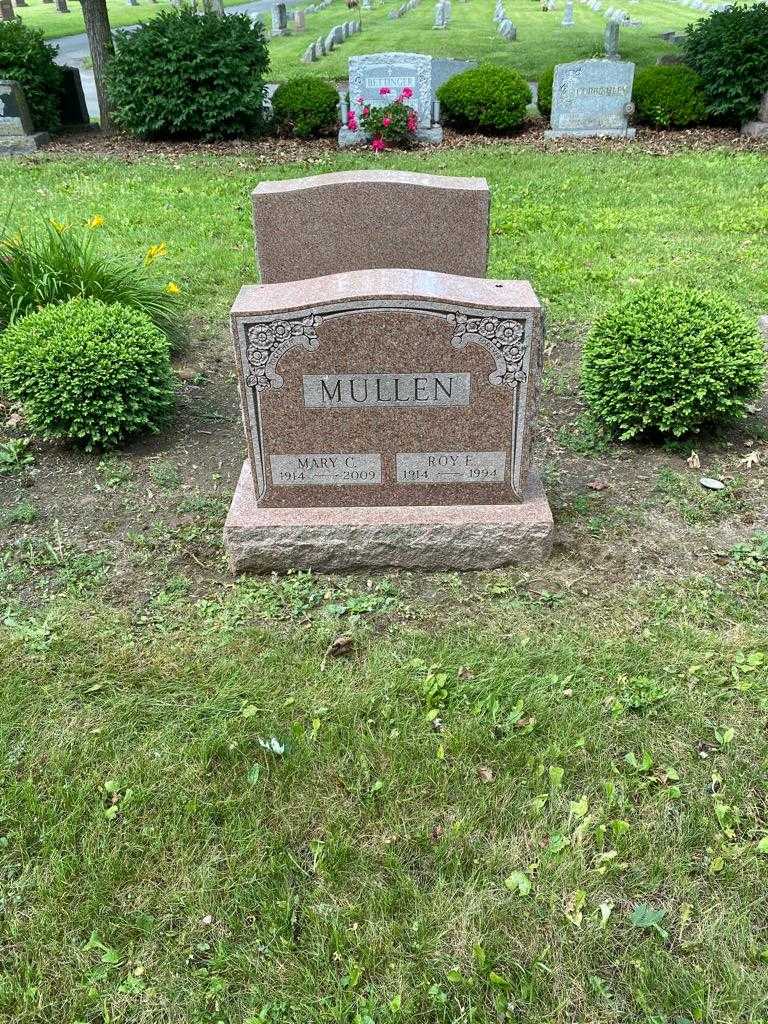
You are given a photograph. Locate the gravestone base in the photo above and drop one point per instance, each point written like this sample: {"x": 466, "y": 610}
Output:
{"x": 591, "y": 133}
{"x": 426, "y": 136}
{"x": 434, "y": 537}
{"x": 755, "y": 130}
{"x": 23, "y": 145}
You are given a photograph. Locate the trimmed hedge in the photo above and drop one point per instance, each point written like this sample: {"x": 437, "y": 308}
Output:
{"x": 184, "y": 75}
{"x": 88, "y": 372}
{"x": 669, "y": 361}
{"x": 306, "y": 106}
{"x": 669, "y": 96}
{"x": 729, "y": 49}
{"x": 487, "y": 98}
{"x": 545, "y": 84}
{"x": 26, "y": 58}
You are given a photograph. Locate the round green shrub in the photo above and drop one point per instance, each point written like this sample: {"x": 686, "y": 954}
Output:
{"x": 545, "y": 83}
{"x": 184, "y": 75}
{"x": 88, "y": 372}
{"x": 668, "y": 361}
{"x": 489, "y": 98}
{"x": 729, "y": 49}
{"x": 306, "y": 106}
{"x": 669, "y": 96}
{"x": 26, "y": 58}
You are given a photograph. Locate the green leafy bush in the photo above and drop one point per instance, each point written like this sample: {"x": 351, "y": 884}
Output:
{"x": 669, "y": 96}
{"x": 88, "y": 372}
{"x": 27, "y": 59}
{"x": 545, "y": 83}
{"x": 668, "y": 361}
{"x": 489, "y": 98}
{"x": 729, "y": 49}
{"x": 306, "y": 106}
{"x": 56, "y": 264}
{"x": 188, "y": 75}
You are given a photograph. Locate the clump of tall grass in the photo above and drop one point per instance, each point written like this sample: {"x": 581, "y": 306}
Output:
{"x": 55, "y": 263}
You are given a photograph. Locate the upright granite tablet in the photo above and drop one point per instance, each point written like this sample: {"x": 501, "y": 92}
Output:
{"x": 358, "y": 220}
{"x": 388, "y": 418}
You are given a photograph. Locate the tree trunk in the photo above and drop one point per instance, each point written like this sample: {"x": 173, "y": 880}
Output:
{"x": 102, "y": 49}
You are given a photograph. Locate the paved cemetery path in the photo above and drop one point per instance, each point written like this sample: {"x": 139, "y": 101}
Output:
{"x": 74, "y": 50}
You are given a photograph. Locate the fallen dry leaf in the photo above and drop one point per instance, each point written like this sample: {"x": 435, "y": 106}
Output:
{"x": 598, "y": 485}
{"x": 750, "y": 461}
{"x": 337, "y": 648}
{"x": 465, "y": 672}
{"x": 485, "y": 774}
{"x": 694, "y": 461}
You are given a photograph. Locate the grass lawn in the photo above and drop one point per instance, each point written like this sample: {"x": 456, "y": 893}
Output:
{"x": 55, "y": 25}
{"x": 531, "y": 797}
{"x": 541, "y": 42}
{"x": 471, "y": 34}
{"x": 580, "y": 226}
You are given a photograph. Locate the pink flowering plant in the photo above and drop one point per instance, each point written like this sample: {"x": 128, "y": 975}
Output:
{"x": 392, "y": 125}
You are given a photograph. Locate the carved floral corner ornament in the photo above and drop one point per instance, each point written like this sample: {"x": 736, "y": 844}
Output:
{"x": 504, "y": 339}
{"x": 266, "y": 342}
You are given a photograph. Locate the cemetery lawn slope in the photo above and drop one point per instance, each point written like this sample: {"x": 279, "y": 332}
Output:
{"x": 550, "y": 808}
{"x": 541, "y": 41}
{"x": 580, "y": 225}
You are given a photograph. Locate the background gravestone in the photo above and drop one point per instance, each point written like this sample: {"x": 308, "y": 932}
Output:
{"x": 17, "y": 134}
{"x": 592, "y": 98}
{"x": 421, "y": 73}
{"x": 73, "y": 109}
{"x": 308, "y": 227}
{"x": 279, "y": 20}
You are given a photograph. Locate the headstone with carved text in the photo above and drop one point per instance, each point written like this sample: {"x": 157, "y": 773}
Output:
{"x": 592, "y": 98}
{"x": 388, "y": 416}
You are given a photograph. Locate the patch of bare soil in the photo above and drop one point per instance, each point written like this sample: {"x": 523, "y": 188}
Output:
{"x": 280, "y": 150}
{"x": 139, "y": 523}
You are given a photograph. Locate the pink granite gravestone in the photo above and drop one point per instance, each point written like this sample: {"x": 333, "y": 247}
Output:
{"x": 358, "y": 220}
{"x": 388, "y": 420}
{"x": 388, "y": 407}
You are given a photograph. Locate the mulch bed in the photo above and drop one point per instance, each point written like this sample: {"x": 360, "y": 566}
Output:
{"x": 281, "y": 150}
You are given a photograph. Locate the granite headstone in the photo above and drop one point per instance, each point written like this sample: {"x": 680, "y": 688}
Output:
{"x": 592, "y": 98}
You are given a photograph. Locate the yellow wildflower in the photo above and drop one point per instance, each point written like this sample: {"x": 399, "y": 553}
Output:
{"x": 155, "y": 251}
{"x": 172, "y": 288}
{"x": 97, "y": 221}
{"x": 58, "y": 226}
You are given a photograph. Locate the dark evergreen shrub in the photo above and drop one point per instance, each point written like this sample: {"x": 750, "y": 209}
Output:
{"x": 188, "y": 75}
{"x": 729, "y": 49}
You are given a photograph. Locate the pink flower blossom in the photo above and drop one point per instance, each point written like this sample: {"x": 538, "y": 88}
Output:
{"x": 384, "y": 90}
{"x": 360, "y": 100}
{"x": 386, "y": 121}
{"x": 377, "y": 145}
{"x": 366, "y": 111}
{"x": 407, "y": 92}
{"x": 352, "y": 121}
